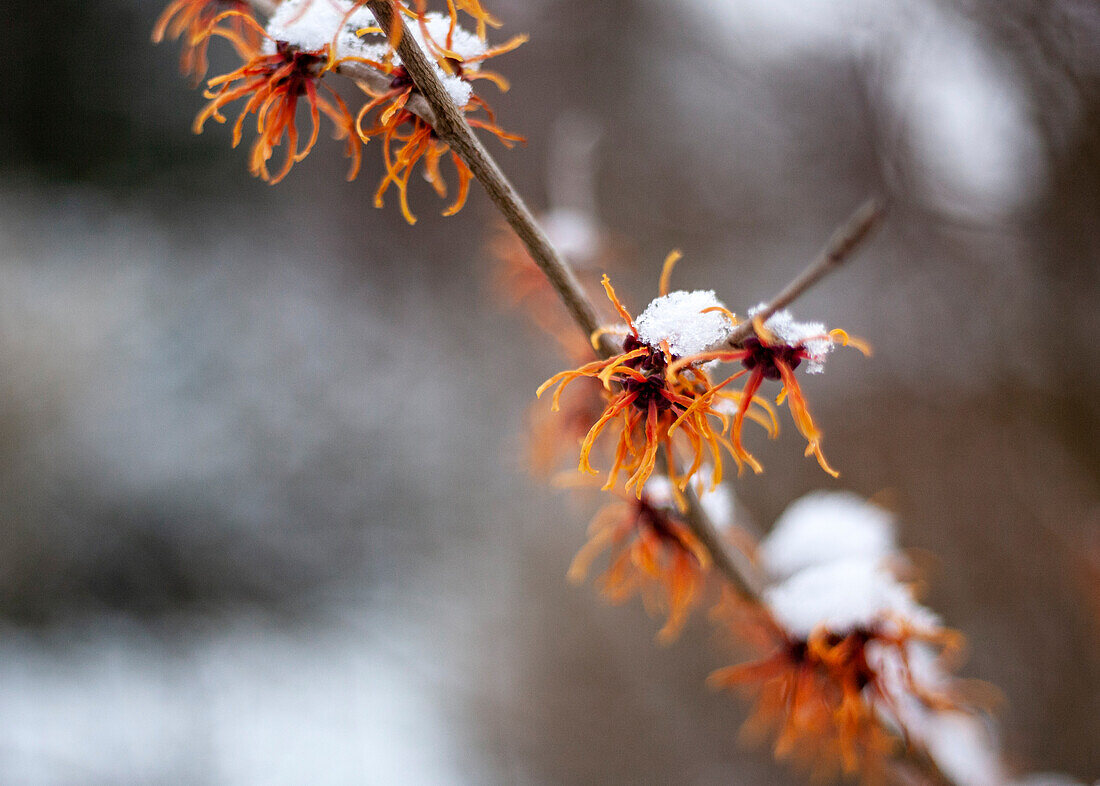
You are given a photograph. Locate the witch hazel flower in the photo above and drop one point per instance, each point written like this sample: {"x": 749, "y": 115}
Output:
{"x": 652, "y": 553}
{"x": 474, "y": 8}
{"x": 823, "y": 690}
{"x": 408, "y": 138}
{"x": 656, "y": 395}
{"x": 855, "y": 661}
{"x": 298, "y": 47}
{"x": 778, "y": 346}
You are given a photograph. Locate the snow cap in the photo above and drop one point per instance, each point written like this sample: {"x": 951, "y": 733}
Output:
{"x": 964, "y": 748}
{"x": 824, "y": 527}
{"x": 311, "y": 24}
{"x": 842, "y": 597}
{"x": 677, "y": 317}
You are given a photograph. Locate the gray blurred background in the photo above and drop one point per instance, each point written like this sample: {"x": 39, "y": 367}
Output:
{"x": 263, "y": 508}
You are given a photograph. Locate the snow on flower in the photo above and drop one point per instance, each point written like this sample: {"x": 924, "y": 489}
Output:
{"x": 854, "y": 662}
{"x": 823, "y": 690}
{"x": 457, "y": 57}
{"x": 922, "y": 699}
{"x": 655, "y": 398}
{"x": 824, "y": 527}
{"x": 811, "y": 337}
{"x": 445, "y": 43}
{"x": 314, "y": 24}
{"x": 843, "y": 597}
{"x": 304, "y": 40}
{"x": 691, "y": 322}
{"x": 275, "y": 76}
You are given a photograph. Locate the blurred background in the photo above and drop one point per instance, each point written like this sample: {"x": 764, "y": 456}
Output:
{"x": 264, "y": 512}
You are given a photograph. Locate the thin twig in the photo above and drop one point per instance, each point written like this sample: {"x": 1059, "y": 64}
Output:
{"x": 837, "y": 251}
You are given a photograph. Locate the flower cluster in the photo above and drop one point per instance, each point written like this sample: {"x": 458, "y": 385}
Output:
{"x": 275, "y": 76}
{"x": 657, "y": 390}
{"x": 853, "y": 657}
{"x": 286, "y": 61}
{"x": 850, "y": 665}
{"x": 660, "y": 386}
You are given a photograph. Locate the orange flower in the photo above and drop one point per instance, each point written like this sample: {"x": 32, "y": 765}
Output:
{"x": 274, "y": 78}
{"x": 459, "y": 56}
{"x": 192, "y": 20}
{"x": 778, "y": 347}
{"x": 483, "y": 17}
{"x": 832, "y": 693}
{"x": 652, "y": 553}
{"x": 653, "y": 393}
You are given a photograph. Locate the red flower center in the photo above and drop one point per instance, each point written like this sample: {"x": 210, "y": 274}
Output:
{"x": 767, "y": 357}
{"x": 652, "y": 365}
{"x": 306, "y": 66}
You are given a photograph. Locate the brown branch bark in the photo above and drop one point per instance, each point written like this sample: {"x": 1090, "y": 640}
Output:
{"x": 838, "y": 250}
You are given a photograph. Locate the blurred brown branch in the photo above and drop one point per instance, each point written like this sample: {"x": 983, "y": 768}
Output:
{"x": 838, "y": 250}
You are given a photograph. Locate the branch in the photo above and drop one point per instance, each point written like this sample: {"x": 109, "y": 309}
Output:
{"x": 837, "y": 251}
{"x": 434, "y": 104}
{"x": 734, "y": 565}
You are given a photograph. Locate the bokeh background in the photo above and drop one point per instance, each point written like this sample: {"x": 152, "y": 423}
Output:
{"x": 264, "y": 511}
